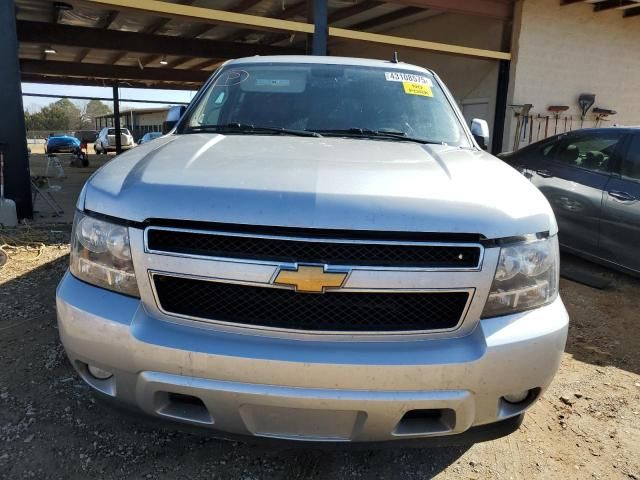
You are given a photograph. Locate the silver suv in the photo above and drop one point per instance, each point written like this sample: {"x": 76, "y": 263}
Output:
{"x": 319, "y": 250}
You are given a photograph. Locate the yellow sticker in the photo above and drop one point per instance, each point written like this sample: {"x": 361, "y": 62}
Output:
{"x": 413, "y": 88}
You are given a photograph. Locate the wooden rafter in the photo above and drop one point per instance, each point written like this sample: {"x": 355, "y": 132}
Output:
{"x": 403, "y": 13}
{"x": 337, "y": 16}
{"x": 610, "y": 4}
{"x": 500, "y": 9}
{"x": 45, "y": 33}
{"x": 352, "y": 11}
{"x": 631, "y": 12}
{"x": 206, "y": 15}
{"x": 198, "y": 30}
{"x": 290, "y": 12}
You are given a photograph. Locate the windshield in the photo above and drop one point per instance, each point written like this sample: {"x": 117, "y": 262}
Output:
{"x": 112, "y": 131}
{"x": 332, "y": 100}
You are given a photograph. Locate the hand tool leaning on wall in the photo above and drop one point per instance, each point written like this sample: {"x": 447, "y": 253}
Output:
{"x": 522, "y": 114}
{"x": 586, "y": 101}
{"x": 530, "y": 129}
{"x": 546, "y": 126}
{"x": 602, "y": 114}
{"x": 556, "y": 110}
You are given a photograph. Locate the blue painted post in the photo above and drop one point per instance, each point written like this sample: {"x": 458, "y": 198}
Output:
{"x": 13, "y": 136}
{"x": 321, "y": 27}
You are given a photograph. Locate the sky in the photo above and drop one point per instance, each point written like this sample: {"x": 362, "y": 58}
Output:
{"x": 36, "y": 103}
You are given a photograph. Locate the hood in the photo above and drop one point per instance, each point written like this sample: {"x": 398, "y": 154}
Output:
{"x": 326, "y": 183}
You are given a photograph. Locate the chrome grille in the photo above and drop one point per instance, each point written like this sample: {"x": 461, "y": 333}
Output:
{"x": 338, "y": 311}
{"x": 397, "y": 254}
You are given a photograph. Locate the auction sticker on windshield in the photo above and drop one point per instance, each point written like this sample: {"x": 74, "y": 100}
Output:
{"x": 407, "y": 77}
{"x": 411, "y": 88}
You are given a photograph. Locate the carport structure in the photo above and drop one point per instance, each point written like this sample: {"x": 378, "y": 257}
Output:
{"x": 177, "y": 44}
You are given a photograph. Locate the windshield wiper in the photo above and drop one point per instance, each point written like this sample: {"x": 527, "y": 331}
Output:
{"x": 368, "y": 133}
{"x": 248, "y": 128}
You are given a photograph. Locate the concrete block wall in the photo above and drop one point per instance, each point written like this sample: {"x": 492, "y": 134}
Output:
{"x": 562, "y": 51}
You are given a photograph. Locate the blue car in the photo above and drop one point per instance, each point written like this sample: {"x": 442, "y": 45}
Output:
{"x": 62, "y": 144}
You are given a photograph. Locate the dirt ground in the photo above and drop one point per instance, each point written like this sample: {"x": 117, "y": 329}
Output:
{"x": 65, "y": 183}
{"x": 586, "y": 426}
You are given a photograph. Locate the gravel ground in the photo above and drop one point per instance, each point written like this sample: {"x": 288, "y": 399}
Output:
{"x": 586, "y": 426}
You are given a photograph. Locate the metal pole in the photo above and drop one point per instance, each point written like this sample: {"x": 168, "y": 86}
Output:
{"x": 116, "y": 118}
{"x": 501, "y": 106}
{"x": 321, "y": 27}
{"x": 12, "y": 128}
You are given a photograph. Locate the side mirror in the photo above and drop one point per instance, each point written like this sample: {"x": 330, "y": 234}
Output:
{"x": 480, "y": 132}
{"x": 173, "y": 116}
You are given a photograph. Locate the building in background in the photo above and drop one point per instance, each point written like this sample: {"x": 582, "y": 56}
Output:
{"x": 138, "y": 121}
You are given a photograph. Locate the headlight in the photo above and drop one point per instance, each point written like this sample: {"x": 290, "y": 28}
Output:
{"x": 526, "y": 277}
{"x": 101, "y": 255}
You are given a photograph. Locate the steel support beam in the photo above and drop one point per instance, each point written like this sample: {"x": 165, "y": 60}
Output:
{"x": 97, "y": 82}
{"x": 110, "y": 72}
{"x": 106, "y": 99}
{"x": 501, "y": 106}
{"x": 321, "y": 27}
{"x": 13, "y": 135}
{"x": 116, "y": 118}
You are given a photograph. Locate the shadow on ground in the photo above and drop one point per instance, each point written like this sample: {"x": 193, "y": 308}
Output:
{"x": 604, "y": 322}
{"x": 52, "y": 427}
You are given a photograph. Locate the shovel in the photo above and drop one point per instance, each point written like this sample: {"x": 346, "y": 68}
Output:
{"x": 8, "y": 216}
{"x": 556, "y": 110}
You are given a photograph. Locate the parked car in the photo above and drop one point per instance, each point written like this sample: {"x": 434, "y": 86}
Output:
{"x": 106, "y": 141}
{"x": 86, "y": 136}
{"x": 61, "y": 144}
{"x": 147, "y": 137}
{"x": 591, "y": 178}
{"x": 319, "y": 251}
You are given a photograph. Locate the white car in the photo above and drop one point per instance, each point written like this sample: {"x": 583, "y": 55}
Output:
{"x": 106, "y": 141}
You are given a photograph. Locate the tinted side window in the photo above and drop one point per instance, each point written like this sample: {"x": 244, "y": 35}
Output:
{"x": 594, "y": 151}
{"x": 631, "y": 164}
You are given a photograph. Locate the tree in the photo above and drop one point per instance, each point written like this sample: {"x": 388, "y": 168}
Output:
{"x": 65, "y": 116}
{"x": 93, "y": 109}
{"x": 52, "y": 118}
{"x": 70, "y": 111}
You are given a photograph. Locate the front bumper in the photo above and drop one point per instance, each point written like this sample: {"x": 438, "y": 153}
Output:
{"x": 325, "y": 390}
{"x": 112, "y": 148}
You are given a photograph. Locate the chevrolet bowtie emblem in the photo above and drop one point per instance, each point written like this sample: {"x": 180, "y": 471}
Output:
{"x": 310, "y": 278}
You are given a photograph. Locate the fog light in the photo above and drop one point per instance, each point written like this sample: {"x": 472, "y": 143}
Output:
{"x": 99, "y": 373}
{"x": 516, "y": 397}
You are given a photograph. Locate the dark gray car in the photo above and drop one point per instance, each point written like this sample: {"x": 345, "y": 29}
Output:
{"x": 591, "y": 178}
